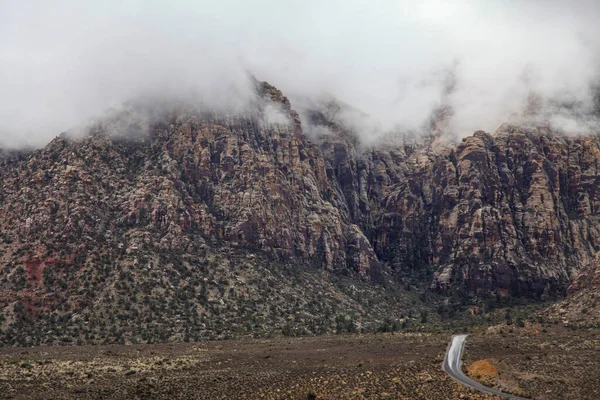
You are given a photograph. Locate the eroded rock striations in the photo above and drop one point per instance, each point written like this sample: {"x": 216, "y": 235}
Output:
{"x": 515, "y": 212}
{"x": 202, "y": 224}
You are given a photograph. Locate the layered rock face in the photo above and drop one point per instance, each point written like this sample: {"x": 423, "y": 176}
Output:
{"x": 202, "y": 221}
{"x": 200, "y": 207}
{"x": 518, "y": 212}
{"x": 515, "y": 212}
{"x": 253, "y": 181}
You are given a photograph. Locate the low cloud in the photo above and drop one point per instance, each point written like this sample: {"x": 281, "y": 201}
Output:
{"x": 64, "y": 62}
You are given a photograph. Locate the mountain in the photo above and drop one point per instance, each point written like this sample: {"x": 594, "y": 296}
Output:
{"x": 184, "y": 225}
{"x": 176, "y": 223}
{"x": 513, "y": 213}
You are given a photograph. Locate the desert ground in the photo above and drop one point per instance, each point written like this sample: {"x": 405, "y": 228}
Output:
{"x": 561, "y": 364}
{"x": 543, "y": 365}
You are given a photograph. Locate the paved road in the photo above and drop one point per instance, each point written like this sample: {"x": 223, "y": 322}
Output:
{"x": 452, "y": 363}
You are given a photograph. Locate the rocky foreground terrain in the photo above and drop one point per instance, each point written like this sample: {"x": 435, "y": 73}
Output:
{"x": 177, "y": 223}
{"x": 342, "y": 367}
{"x": 558, "y": 364}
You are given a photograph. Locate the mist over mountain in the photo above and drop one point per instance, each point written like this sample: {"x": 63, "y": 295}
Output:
{"x": 397, "y": 62}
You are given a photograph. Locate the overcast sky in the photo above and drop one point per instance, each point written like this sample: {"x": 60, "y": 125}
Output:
{"x": 63, "y": 62}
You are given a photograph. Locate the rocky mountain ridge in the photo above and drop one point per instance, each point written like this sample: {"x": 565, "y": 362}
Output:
{"x": 203, "y": 224}
{"x": 514, "y": 212}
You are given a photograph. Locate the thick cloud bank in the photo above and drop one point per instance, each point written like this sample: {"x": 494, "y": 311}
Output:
{"x": 63, "y": 62}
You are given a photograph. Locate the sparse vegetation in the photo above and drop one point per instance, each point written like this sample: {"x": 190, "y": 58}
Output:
{"x": 557, "y": 363}
{"x": 337, "y": 367}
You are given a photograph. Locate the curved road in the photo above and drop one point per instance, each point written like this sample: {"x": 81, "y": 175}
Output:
{"x": 452, "y": 363}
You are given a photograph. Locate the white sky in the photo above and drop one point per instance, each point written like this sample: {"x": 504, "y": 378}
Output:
{"x": 63, "y": 62}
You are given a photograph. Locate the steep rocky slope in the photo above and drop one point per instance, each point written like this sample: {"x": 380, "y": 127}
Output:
{"x": 581, "y": 308}
{"x": 196, "y": 225}
{"x": 515, "y": 212}
{"x": 204, "y": 224}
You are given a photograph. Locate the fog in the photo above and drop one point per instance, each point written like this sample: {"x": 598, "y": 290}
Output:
{"x": 64, "y": 62}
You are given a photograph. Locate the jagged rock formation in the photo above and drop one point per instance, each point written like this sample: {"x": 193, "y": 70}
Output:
{"x": 202, "y": 223}
{"x": 515, "y": 212}
{"x": 199, "y": 225}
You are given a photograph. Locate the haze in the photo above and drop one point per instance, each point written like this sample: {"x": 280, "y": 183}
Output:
{"x": 64, "y": 62}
